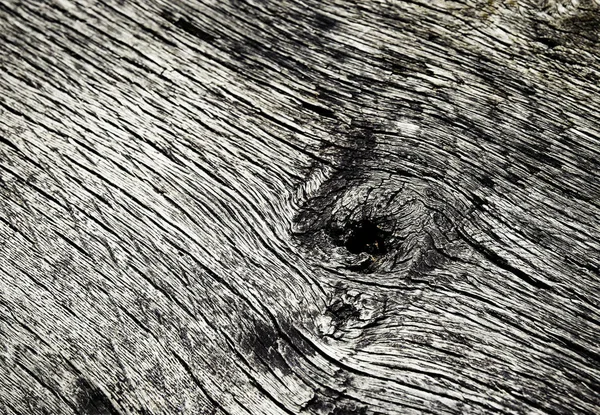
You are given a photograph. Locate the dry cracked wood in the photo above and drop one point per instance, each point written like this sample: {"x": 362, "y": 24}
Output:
{"x": 299, "y": 207}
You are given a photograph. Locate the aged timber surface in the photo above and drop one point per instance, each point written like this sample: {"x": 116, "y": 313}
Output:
{"x": 299, "y": 207}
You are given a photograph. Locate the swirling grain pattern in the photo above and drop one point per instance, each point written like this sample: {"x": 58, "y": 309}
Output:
{"x": 299, "y": 207}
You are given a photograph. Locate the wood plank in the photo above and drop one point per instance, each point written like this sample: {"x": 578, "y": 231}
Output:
{"x": 299, "y": 207}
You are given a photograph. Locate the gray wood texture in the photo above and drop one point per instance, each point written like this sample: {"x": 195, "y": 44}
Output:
{"x": 299, "y": 207}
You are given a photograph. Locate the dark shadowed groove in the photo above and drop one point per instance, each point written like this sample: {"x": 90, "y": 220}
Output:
{"x": 500, "y": 262}
{"x": 322, "y": 111}
{"x": 93, "y": 401}
{"x": 359, "y": 372}
{"x": 198, "y": 383}
{"x": 17, "y": 230}
{"x": 10, "y": 144}
{"x": 193, "y": 30}
{"x": 45, "y": 385}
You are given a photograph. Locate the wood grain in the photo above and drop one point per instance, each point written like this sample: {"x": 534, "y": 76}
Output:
{"x": 299, "y": 207}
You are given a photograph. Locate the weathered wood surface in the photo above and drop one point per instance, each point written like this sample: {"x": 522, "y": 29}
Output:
{"x": 299, "y": 207}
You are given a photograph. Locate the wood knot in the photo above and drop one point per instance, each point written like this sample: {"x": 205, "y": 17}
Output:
{"x": 330, "y": 402}
{"x": 348, "y": 312}
{"x": 359, "y": 217}
{"x": 361, "y": 236}
{"x": 390, "y": 229}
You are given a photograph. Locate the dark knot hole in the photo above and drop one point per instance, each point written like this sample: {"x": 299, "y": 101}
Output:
{"x": 365, "y": 236}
